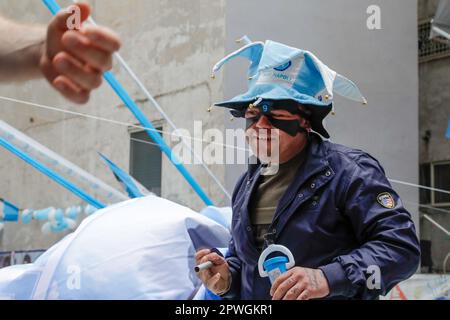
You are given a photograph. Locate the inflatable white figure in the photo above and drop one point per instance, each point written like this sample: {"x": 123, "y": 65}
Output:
{"x": 139, "y": 249}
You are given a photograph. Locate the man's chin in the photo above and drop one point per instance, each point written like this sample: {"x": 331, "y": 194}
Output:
{"x": 265, "y": 156}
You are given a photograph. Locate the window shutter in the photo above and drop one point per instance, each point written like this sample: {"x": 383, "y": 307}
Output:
{"x": 146, "y": 161}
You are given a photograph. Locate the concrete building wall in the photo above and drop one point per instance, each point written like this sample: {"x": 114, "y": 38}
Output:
{"x": 382, "y": 62}
{"x": 171, "y": 46}
{"x": 426, "y": 9}
{"x": 434, "y": 102}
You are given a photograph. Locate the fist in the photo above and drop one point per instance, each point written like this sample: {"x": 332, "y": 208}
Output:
{"x": 73, "y": 61}
{"x": 300, "y": 284}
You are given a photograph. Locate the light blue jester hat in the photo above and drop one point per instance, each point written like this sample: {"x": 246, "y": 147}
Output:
{"x": 280, "y": 72}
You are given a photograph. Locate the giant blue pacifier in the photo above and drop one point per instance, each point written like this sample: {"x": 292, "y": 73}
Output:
{"x": 275, "y": 266}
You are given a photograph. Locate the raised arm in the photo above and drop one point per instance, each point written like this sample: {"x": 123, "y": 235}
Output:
{"x": 72, "y": 60}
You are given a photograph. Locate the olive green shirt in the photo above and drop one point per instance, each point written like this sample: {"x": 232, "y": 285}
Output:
{"x": 269, "y": 191}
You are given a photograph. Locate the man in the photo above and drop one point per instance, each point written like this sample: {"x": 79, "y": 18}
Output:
{"x": 72, "y": 61}
{"x": 330, "y": 205}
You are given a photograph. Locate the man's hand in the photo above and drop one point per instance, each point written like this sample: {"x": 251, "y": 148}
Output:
{"x": 300, "y": 284}
{"x": 73, "y": 61}
{"x": 217, "y": 278}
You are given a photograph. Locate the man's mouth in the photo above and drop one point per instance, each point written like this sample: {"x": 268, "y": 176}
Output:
{"x": 262, "y": 138}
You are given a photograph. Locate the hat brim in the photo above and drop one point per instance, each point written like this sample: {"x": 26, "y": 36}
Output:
{"x": 318, "y": 108}
{"x": 271, "y": 92}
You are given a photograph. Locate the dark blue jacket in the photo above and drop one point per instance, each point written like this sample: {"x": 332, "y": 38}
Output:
{"x": 329, "y": 218}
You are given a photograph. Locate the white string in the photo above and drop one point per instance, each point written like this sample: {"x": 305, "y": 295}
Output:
{"x": 143, "y": 141}
{"x": 169, "y": 121}
{"x": 422, "y": 187}
{"x": 89, "y": 116}
{"x": 437, "y": 224}
{"x": 428, "y": 207}
{"x": 165, "y": 116}
{"x": 178, "y": 135}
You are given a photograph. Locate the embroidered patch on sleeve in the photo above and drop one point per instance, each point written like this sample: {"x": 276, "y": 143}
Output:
{"x": 386, "y": 200}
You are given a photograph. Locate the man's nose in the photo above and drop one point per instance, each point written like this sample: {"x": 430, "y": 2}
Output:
{"x": 263, "y": 123}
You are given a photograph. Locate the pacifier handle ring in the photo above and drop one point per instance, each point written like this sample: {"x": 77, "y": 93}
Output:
{"x": 269, "y": 250}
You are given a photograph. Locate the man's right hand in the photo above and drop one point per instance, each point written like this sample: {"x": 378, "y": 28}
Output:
{"x": 73, "y": 61}
{"x": 217, "y": 278}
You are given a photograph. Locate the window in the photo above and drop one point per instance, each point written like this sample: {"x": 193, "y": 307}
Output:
{"x": 440, "y": 178}
{"x": 436, "y": 175}
{"x": 430, "y": 49}
{"x": 146, "y": 161}
{"x": 425, "y": 180}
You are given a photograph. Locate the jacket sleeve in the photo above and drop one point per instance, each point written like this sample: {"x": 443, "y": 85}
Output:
{"x": 234, "y": 292}
{"x": 389, "y": 250}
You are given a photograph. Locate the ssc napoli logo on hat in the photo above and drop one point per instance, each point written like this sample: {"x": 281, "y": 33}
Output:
{"x": 284, "y": 66}
{"x": 386, "y": 200}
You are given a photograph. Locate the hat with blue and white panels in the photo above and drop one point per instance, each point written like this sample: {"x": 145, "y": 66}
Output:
{"x": 280, "y": 72}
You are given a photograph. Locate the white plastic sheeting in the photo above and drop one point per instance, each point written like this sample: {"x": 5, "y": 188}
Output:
{"x": 59, "y": 164}
{"x": 422, "y": 287}
{"x": 139, "y": 249}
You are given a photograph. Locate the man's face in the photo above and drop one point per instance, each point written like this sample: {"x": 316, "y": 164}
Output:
{"x": 270, "y": 144}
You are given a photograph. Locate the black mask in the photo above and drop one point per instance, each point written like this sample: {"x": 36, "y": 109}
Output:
{"x": 291, "y": 127}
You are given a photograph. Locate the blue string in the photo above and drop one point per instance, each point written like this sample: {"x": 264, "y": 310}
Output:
{"x": 139, "y": 115}
{"x": 51, "y": 174}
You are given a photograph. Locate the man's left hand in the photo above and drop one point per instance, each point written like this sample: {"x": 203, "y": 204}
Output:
{"x": 300, "y": 284}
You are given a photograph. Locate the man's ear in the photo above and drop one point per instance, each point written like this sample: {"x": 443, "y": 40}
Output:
{"x": 305, "y": 123}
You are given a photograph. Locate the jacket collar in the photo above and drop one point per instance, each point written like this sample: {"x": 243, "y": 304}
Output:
{"x": 316, "y": 157}
{"x": 315, "y": 162}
